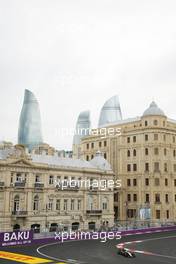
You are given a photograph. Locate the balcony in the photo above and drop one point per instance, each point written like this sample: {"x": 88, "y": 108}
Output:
{"x": 2, "y": 184}
{"x": 94, "y": 212}
{"x": 67, "y": 188}
{"x": 38, "y": 185}
{"x": 19, "y": 184}
{"x": 19, "y": 213}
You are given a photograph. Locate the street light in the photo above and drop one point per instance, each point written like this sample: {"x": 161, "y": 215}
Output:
{"x": 45, "y": 209}
{"x": 126, "y": 209}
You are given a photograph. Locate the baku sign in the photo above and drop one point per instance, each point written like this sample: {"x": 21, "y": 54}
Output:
{"x": 16, "y": 238}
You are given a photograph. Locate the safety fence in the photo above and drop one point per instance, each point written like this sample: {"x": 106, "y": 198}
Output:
{"x": 27, "y": 237}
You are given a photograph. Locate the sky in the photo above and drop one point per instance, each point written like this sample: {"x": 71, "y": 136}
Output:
{"x": 74, "y": 55}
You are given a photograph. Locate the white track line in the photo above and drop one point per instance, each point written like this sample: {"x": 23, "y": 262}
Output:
{"x": 57, "y": 259}
{"x": 61, "y": 260}
{"x": 145, "y": 252}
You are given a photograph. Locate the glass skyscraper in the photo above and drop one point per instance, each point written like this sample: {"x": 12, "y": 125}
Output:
{"x": 82, "y": 127}
{"x": 110, "y": 112}
{"x": 30, "y": 131}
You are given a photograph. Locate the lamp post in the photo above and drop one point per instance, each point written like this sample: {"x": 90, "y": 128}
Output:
{"x": 126, "y": 210}
{"x": 45, "y": 211}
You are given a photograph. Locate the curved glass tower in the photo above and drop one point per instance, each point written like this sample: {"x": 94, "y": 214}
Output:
{"x": 82, "y": 127}
{"x": 30, "y": 131}
{"x": 110, "y": 112}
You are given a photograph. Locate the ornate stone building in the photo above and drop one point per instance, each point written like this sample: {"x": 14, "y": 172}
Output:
{"x": 143, "y": 156}
{"x": 31, "y": 193}
{"x": 43, "y": 149}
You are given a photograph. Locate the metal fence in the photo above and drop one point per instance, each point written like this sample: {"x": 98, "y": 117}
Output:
{"x": 118, "y": 226}
{"x": 138, "y": 224}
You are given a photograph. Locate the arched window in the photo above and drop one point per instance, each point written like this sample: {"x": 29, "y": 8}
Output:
{"x": 35, "y": 228}
{"x": 155, "y": 122}
{"x": 128, "y": 153}
{"x": 146, "y": 151}
{"x": 53, "y": 227}
{"x": 134, "y": 152}
{"x": 16, "y": 227}
{"x": 36, "y": 203}
{"x": 75, "y": 226}
{"x": 91, "y": 225}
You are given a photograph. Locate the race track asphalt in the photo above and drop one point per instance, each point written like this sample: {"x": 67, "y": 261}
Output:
{"x": 162, "y": 245}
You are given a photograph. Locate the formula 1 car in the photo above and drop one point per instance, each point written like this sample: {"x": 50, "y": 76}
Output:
{"x": 126, "y": 253}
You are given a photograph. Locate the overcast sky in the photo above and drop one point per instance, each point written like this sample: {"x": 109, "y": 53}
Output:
{"x": 74, "y": 55}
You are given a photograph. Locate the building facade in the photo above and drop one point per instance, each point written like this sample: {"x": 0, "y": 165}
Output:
{"x": 30, "y": 197}
{"x": 143, "y": 156}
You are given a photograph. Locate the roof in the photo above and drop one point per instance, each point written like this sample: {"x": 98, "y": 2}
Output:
{"x": 59, "y": 161}
{"x": 153, "y": 110}
{"x": 4, "y": 153}
{"x": 172, "y": 120}
{"x": 126, "y": 121}
{"x": 63, "y": 162}
{"x": 99, "y": 162}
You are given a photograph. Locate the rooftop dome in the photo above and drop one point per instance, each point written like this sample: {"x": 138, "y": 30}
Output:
{"x": 99, "y": 162}
{"x": 153, "y": 110}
